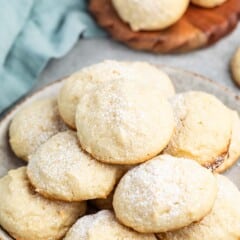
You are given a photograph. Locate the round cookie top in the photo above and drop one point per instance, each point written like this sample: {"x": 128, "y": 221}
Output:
{"x": 103, "y": 225}
{"x": 121, "y": 122}
{"x": 60, "y": 169}
{"x": 222, "y": 223}
{"x": 203, "y": 129}
{"x": 77, "y": 84}
{"x": 163, "y": 194}
{"x": 234, "y": 150}
{"x": 150, "y": 14}
{"x": 33, "y": 125}
{"x": 27, "y": 215}
{"x": 208, "y": 3}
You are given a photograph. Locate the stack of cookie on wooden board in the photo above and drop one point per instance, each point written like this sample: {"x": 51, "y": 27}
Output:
{"x": 118, "y": 155}
{"x": 163, "y": 26}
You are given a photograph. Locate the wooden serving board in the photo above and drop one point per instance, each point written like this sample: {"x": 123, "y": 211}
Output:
{"x": 199, "y": 27}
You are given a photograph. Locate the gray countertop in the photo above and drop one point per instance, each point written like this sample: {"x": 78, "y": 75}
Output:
{"x": 211, "y": 62}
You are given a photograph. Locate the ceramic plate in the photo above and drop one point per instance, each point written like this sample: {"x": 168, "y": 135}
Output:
{"x": 183, "y": 81}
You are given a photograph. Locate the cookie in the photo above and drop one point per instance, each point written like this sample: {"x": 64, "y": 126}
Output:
{"x": 203, "y": 129}
{"x": 222, "y": 223}
{"x": 34, "y": 125}
{"x": 24, "y": 214}
{"x": 121, "y": 122}
{"x": 150, "y": 14}
{"x": 60, "y": 169}
{"x": 103, "y": 225}
{"x": 79, "y": 83}
{"x": 163, "y": 194}
{"x": 208, "y": 3}
{"x": 234, "y": 147}
{"x": 235, "y": 67}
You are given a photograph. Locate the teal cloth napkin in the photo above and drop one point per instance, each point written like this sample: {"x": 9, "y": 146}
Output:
{"x": 31, "y": 33}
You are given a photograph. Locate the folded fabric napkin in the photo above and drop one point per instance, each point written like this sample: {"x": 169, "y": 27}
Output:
{"x": 31, "y": 33}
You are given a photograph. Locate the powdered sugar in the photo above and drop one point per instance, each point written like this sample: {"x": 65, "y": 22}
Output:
{"x": 178, "y": 104}
{"x": 103, "y": 225}
{"x": 62, "y": 170}
{"x": 164, "y": 187}
{"x": 80, "y": 229}
{"x": 118, "y": 122}
{"x": 34, "y": 125}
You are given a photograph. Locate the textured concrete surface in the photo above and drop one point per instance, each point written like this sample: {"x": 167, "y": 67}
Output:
{"x": 211, "y": 62}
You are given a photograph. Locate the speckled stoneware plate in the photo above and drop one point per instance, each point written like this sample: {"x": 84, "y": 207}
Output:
{"x": 183, "y": 81}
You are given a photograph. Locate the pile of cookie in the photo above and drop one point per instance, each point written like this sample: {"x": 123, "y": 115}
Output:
{"x": 118, "y": 155}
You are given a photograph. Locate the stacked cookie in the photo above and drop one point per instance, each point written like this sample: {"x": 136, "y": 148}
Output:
{"x": 118, "y": 137}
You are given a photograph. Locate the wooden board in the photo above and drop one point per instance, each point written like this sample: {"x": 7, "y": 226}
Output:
{"x": 199, "y": 27}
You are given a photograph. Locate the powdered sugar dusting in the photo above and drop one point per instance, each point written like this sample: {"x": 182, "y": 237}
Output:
{"x": 83, "y": 225}
{"x": 34, "y": 125}
{"x": 61, "y": 169}
{"x": 80, "y": 229}
{"x": 52, "y": 161}
{"x": 179, "y": 106}
{"x": 225, "y": 213}
{"x": 118, "y": 122}
{"x": 101, "y": 224}
{"x": 164, "y": 185}
{"x": 118, "y": 113}
{"x": 148, "y": 178}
